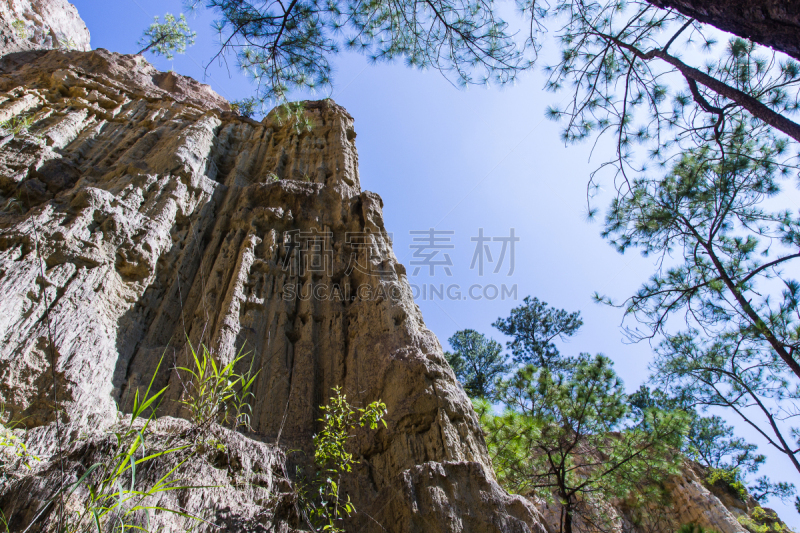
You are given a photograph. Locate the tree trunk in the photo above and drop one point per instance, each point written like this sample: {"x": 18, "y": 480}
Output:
{"x": 773, "y": 23}
{"x": 568, "y": 518}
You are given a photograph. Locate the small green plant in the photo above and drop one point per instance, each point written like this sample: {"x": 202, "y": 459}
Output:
{"x": 761, "y": 521}
{"x": 16, "y": 125}
{"x": 694, "y": 528}
{"x": 20, "y": 28}
{"x": 294, "y": 114}
{"x": 167, "y": 38}
{"x": 113, "y": 495}
{"x": 66, "y": 44}
{"x": 216, "y": 393}
{"x": 272, "y": 177}
{"x": 246, "y": 107}
{"x": 11, "y": 446}
{"x": 729, "y": 480}
{"x": 15, "y": 446}
{"x": 323, "y": 502}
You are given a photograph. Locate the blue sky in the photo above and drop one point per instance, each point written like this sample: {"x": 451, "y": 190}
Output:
{"x": 458, "y": 160}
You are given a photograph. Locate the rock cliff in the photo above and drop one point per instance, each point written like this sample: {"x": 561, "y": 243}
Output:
{"x": 139, "y": 213}
{"x": 686, "y": 499}
{"x": 41, "y": 24}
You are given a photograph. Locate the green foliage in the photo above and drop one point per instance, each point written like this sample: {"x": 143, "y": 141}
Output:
{"x": 623, "y": 64}
{"x": 113, "y": 495}
{"x": 694, "y": 528}
{"x": 730, "y": 281}
{"x": 286, "y": 46}
{"x": 217, "y": 393}
{"x": 762, "y": 521}
{"x": 534, "y": 326}
{"x": 477, "y": 362}
{"x": 66, "y": 44}
{"x": 16, "y": 125}
{"x": 322, "y": 501}
{"x": 20, "y": 28}
{"x": 729, "y": 480}
{"x": 764, "y": 488}
{"x": 12, "y": 448}
{"x": 294, "y": 114}
{"x": 167, "y": 38}
{"x": 338, "y": 420}
{"x": 10, "y": 443}
{"x": 245, "y": 107}
{"x": 710, "y": 442}
{"x": 566, "y": 435}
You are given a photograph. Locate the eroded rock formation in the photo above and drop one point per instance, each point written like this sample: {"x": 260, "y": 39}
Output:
{"x": 41, "y": 24}
{"x": 140, "y": 212}
{"x": 687, "y": 499}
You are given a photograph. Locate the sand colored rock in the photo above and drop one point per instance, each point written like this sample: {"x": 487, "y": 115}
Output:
{"x": 689, "y": 500}
{"x": 140, "y": 212}
{"x": 41, "y": 24}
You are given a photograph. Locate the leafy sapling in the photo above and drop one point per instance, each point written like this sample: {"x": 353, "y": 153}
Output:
{"x": 322, "y": 502}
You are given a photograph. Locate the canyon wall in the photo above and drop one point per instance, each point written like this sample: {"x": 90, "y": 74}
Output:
{"x": 41, "y": 24}
{"x": 141, "y": 214}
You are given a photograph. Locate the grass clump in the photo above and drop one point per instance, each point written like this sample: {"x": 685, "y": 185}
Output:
{"x": 16, "y": 125}
{"x": 216, "y": 393}
{"x": 115, "y": 500}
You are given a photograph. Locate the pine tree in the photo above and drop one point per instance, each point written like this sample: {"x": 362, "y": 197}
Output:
{"x": 167, "y": 38}
{"x": 566, "y": 436}
{"x": 477, "y": 362}
{"x": 533, "y": 327}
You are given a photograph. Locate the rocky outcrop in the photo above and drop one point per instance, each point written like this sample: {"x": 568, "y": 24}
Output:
{"x": 140, "y": 212}
{"x": 685, "y": 498}
{"x": 41, "y": 24}
{"x": 239, "y": 484}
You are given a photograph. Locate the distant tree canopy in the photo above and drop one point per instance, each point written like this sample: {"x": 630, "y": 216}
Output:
{"x": 533, "y": 328}
{"x": 477, "y": 362}
{"x": 566, "y": 436}
{"x": 558, "y": 412}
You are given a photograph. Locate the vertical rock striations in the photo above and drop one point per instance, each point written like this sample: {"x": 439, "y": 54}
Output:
{"x": 139, "y": 213}
{"x": 41, "y": 24}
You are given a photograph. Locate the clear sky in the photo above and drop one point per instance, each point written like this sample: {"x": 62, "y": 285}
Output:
{"x": 457, "y": 160}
